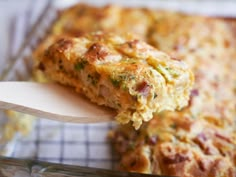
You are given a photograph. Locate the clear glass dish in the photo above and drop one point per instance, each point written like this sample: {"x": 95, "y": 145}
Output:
{"x": 63, "y": 142}
{"x": 32, "y": 168}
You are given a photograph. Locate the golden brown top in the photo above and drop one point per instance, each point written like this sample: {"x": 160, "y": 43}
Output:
{"x": 139, "y": 80}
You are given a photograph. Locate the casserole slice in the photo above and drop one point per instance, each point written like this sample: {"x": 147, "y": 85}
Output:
{"x": 120, "y": 72}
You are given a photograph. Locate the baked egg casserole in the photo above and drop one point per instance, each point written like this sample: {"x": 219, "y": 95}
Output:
{"x": 196, "y": 141}
{"x": 123, "y": 73}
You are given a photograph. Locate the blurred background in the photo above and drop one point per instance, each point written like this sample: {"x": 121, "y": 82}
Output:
{"x": 14, "y": 11}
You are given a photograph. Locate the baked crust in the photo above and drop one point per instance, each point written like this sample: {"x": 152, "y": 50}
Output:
{"x": 123, "y": 73}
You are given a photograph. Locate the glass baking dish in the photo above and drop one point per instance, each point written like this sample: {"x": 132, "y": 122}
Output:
{"x": 63, "y": 142}
{"x": 33, "y": 168}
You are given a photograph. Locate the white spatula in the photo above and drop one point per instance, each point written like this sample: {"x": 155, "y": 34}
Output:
{"x": 52, "y": 101}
